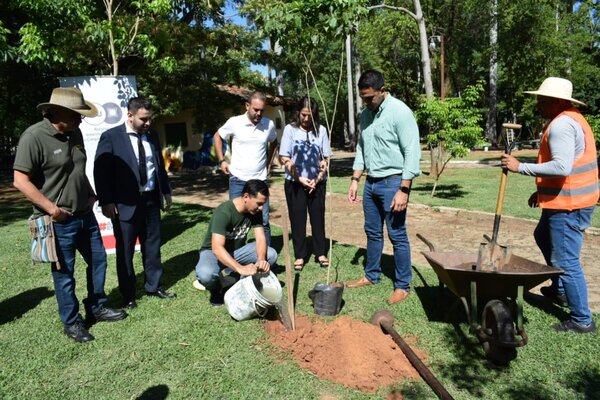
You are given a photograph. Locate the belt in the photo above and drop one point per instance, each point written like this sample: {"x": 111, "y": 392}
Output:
{"x": 148, "y": 193}
{"x": 377, "y": 179}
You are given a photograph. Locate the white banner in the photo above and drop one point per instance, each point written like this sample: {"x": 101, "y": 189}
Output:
{"x": 110, "y": 95}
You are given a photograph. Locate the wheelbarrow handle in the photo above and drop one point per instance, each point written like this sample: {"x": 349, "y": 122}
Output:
{"x": 427, "y": 242}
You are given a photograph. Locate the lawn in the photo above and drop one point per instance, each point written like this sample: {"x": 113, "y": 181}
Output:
{"x": 184, "y": 348}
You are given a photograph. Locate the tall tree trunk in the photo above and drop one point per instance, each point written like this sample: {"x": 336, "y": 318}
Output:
{"x": 423, "y": 41}
{"x": 279, "y": 79}
{"x": 493, "y": 93}
{"x": 108, "y": 5}
{"x": 425, "y": 62}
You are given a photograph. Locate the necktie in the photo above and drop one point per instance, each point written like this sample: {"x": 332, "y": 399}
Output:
{"x": 142, "y": 161}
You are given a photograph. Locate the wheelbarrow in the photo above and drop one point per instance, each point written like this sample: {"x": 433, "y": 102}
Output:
{"x": 500, "y": 290}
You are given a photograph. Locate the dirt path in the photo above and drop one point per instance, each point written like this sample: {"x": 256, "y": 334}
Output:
{"x": 449, "y": 229}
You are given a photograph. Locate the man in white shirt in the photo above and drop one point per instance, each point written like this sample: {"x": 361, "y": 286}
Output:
{"x": 251, "y": 155}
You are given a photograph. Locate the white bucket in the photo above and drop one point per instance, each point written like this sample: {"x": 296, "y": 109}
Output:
{"x": 253, "y": 296}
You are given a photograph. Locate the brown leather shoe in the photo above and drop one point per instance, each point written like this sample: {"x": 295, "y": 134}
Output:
{"x": 397, "y": 296}
{"x": 358, "y": 283}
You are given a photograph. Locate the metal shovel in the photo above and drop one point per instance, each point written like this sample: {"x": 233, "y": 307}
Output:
{"x": 493, "y": 256}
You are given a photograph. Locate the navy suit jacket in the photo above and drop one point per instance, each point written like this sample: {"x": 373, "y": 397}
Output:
{"x": 116, "y": 171}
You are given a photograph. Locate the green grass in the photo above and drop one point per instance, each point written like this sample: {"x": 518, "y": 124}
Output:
{"x": 184, "y": 349}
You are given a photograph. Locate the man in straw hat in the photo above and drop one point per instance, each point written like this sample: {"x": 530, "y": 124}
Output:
{"x": 567, "y": 191}
{"x": 49, "y": 170}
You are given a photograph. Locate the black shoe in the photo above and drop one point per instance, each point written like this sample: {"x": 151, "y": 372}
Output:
{"x": 552, "y": 294}
{"x": 106, "y": 314}
{"x": 78, "y": 333}
{"x": 162, "y": 294}
{"x": 216, "y": 299}
{"x": 570, "y": 326}
{"x": 130, "y": 304}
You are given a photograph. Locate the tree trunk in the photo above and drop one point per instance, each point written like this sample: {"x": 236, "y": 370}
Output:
{"x": 425, "y": 62}
{"x": 279, "y": 79}
{"x": 493, "y": 94}
{"x": 423, "y": 44}
{"x": 108, "y": 4}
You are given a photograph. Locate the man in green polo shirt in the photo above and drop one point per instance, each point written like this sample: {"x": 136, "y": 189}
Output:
{"x": 388, "y": 150}
{"x": 225, "y": 250}
{"x": 49, "y": 170}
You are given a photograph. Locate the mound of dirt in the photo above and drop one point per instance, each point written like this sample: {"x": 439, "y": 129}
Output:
{"x": 353, "y": 353}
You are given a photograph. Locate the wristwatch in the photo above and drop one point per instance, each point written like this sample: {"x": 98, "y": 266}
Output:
{"x": 355, "y": 179}
{"x": 221, "y": 161}
{"x": 405, "y": 189}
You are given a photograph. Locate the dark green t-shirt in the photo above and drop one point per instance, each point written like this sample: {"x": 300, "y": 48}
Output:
{"x": 52, "y": 160}
{"x": 227, "y": 221}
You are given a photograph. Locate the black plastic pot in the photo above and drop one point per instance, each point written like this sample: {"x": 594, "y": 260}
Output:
{"x": 327, "y": 299}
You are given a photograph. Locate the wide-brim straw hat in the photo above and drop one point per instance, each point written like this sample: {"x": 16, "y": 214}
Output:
{"x": 558, "y": 88}
{"x": 70, "y": 99}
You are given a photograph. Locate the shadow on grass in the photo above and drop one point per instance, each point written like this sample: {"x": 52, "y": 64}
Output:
{"x": 542, "y": 303}
{"x": 14, "y": 211}
{"x": 182, "y": 217}
{"x": 448, "y": 192}
{"x": 157, "y": 392}
{"x": 584, "y": 382}
{"x": 16, "y": 306}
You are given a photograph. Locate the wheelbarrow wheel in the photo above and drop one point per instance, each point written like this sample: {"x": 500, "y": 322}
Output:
{"x": 498, "y": 326}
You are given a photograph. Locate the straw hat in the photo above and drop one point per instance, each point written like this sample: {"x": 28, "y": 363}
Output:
{"x": 558, "y": 88}
{"x": 71, "y": 99}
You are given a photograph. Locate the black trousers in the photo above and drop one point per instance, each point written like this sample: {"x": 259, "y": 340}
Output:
{"x": 144, "y": 225}
{"x": 298, "y": 202}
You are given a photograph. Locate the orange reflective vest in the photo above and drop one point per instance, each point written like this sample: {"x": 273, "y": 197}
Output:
{"x": 580, "y": 188}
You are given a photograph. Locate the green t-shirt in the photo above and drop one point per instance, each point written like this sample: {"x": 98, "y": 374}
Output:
{"x": 52, "y": 160}
{"x": 227, "y": 221}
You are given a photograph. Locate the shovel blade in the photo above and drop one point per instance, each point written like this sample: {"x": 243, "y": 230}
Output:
{"x": 492, "y": 256}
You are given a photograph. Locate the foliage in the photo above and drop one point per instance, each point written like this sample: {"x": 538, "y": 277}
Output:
{"x": 452, "y": 127}
{"x": 453, "y": 122}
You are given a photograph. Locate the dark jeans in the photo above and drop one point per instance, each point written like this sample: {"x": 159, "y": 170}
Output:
{"x": 79, "y": 233}
{"x": 377, "y": 198}
{"x": 144, "y": 225}
{"x": 298, "y": 202}
{"x": 559, "y": 235}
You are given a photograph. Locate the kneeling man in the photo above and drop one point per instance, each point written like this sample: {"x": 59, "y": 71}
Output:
{"x": 225, "y": 251}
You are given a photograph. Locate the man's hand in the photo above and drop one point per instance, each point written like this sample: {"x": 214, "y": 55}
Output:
{"x": 511, "y": 163}
{"x": 110, "y": 210}
{"x": 262, "y": 266}
{"x": 59, "y": 214}
{"x": 247, "y": 270}
{"x": 399, "y": 202}
{"x": 353, "y": 192}
{"x": 533, "y": 200}
{"x": 168, "y": 202}
{"x": 224, "y": 167}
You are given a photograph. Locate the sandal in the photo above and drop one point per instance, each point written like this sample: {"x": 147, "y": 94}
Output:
{"x": 299, "y": 264}
{"x": 323, "y": 262}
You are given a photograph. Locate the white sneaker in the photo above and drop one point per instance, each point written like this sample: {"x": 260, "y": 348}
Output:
{"x": 197, "y": 285}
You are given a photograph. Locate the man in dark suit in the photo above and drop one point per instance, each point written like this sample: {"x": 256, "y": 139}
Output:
{"x": 131, "y": 181}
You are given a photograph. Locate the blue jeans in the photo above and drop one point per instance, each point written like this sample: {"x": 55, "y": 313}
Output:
{"x": 236, "y": 185}
{"x": 377, "y": 198}
{"x": 559, "y": 235}
{"x": 83, "y": 234}
{"x": 208, "y": 267}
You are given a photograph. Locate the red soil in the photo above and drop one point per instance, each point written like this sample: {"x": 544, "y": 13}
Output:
{"x": 353, "y": 353}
